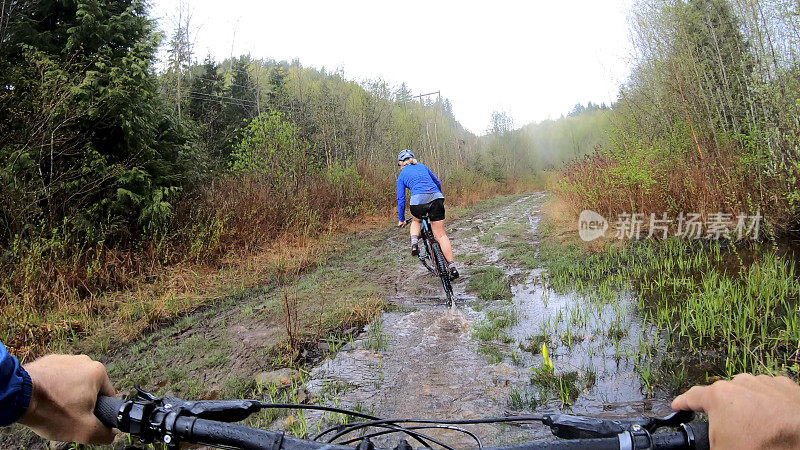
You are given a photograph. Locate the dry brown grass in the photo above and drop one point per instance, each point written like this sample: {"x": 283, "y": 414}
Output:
{"x": 649, "y": 181}
{"x": 564, "y": 220}
{"x": 234, "y": 235}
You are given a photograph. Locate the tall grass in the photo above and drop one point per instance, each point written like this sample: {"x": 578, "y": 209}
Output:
{"x": 735, "y": 306}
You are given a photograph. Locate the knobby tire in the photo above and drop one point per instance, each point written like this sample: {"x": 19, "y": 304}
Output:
{"x": 444, "y": 271}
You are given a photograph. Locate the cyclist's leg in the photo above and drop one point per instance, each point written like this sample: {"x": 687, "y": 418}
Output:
{"x": 415, "y": 229}
{"x": 438, "y": 232}
{"x": 416, "y": 226}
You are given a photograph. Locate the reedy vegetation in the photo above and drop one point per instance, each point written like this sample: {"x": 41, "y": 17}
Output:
{"x": 735, "y": 308}
{"x": 707, "y": 123}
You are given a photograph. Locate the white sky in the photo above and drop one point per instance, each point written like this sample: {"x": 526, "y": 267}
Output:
{"x": 533, "y": 59}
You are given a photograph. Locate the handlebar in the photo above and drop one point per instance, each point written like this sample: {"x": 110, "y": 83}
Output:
{"x": 107, "y": 410}
{"x": 168, "y": 421}
{"x": 115, "y": 413}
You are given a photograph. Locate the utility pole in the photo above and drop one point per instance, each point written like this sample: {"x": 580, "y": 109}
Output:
{"x": 431, "y": 148}
{"x": 437, "y": 93}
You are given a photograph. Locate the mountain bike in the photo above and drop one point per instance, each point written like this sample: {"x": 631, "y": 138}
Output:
{"x": 173, "y": 421}
{"x": 432, "y": 257}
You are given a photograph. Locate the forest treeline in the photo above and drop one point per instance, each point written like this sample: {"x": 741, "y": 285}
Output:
{"x": 709, "y": 120}
{"x": 112, "y": 170}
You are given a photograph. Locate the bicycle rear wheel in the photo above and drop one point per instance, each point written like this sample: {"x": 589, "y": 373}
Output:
{"x": 443, "y": 270}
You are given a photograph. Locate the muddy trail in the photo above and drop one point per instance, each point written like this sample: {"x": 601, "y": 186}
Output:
{"x": 378, "y": 337}
{"x": 482, "y": 358}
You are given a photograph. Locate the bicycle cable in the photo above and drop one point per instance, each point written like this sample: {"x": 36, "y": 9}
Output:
{"x": 445, "y": 427}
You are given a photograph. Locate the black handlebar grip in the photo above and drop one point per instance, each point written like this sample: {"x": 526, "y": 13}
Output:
{"x": 700, "y": 431}
{"x": 107, "y": 409}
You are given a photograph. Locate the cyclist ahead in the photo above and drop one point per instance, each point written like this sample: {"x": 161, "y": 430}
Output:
{"x": 426, "y": 198}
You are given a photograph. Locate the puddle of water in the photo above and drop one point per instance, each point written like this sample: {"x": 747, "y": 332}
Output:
{"x": 577, "y": 330}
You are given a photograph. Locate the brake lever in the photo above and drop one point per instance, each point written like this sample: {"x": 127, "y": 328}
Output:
{"x": 217, "y": 410}
{"x": 568, "y": 426}
{"x": 673, "y": 420}
{"x": 220, "y": 410}
{"x": 141, "y": 394}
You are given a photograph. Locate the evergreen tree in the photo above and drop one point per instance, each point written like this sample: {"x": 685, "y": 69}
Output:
{"x": 87, "y": 141}
{"x": 206, "y": 96}
{"x": 241, "y": 102}
{"x": 277, "y": 96}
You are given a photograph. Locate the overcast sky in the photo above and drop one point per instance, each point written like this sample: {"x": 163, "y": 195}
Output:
{"x": 533, "y": 59}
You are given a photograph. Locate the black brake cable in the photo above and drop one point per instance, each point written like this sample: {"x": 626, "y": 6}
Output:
{"x": 418, "y": 427}
{"x": 265, "y": 405}
{"x": 341, "y": 432}
{"x": 536, "y": 418}
{"x": 347, "y": 429}
{"x": 419, "y": 437}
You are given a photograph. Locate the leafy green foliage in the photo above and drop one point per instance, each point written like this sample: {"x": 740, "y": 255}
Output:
{"x": 700, "y": 126}
{"x": 270, "y": 147}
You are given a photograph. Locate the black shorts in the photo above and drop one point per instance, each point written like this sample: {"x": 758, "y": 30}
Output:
{"x": 434, "y": 209}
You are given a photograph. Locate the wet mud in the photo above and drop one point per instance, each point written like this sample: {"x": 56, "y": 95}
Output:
{"x": 433, "y": 365}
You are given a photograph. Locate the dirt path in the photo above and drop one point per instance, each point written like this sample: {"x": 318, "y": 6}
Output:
{"x": 439, "y": 363}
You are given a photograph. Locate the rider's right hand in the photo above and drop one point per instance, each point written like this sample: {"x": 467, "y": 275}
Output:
{"x": 65, "y": 389}
{"x": 748, "y": 412}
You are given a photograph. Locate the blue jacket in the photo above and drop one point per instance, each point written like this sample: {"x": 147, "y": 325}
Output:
{"x": 419, "y": 180}
{"x": 15, "y": 388}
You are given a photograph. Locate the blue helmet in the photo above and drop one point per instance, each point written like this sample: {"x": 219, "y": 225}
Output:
{"x": 404, "y": 155}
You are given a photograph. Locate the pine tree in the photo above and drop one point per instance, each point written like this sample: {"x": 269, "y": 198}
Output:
{"x": 82, "y": 121}
{"x": 206, "y": 97}
{"x": 277, "y": 96}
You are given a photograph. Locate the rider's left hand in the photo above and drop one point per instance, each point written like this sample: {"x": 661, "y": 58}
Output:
{"x": 401, "y": 224}
{"x": 65, "y": 390}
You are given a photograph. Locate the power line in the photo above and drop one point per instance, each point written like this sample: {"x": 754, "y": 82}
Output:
{"x": 220, "y": 97}
{"x": 252, "y": 87}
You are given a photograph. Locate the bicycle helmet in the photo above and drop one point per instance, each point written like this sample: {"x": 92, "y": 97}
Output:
{"x": 404, "y": 155}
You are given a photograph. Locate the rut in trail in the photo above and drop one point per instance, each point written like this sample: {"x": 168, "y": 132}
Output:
{"x": 423, "y": 360}
{"x": 430, "y": 366}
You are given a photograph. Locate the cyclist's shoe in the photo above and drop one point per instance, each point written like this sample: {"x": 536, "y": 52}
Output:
{"x": 414, "y": 250}
{"x": 453, "y": 272}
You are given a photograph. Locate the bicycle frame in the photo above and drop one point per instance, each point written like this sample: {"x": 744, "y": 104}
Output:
{"x": 428, "y": 258}
{"x": 426, "y": 235}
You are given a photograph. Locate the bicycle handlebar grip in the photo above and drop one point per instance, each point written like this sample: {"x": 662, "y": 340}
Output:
{"x": 107, "y": 409}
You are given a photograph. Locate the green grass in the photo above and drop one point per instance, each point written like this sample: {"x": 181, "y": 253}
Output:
{"x": 376, "y": 338}
{"x": 519, "y": 254}
{"x": 491, "y": 331}
{"x": 490, "y": 284}
{"x": 533, "y": 344}
{"x": 492, "y": 353}
{"x": 175, "y": 362}
{"x": 565, "y": 386}
{"x": 737, "y": 307}
{"x": 493, "y": 326}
